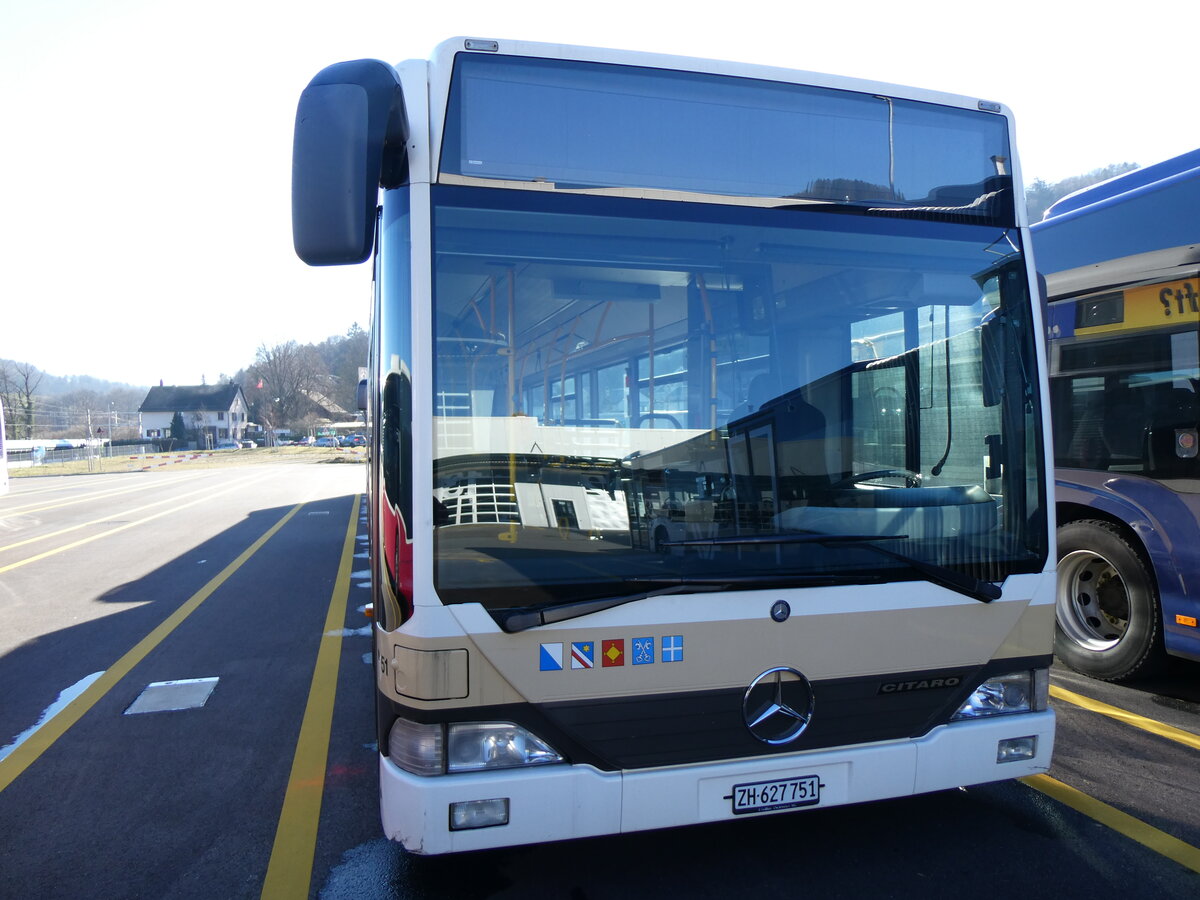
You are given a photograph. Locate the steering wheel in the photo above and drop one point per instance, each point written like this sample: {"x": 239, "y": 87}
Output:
{"x": 646, "y": 417}
{"x": 911, "y": 479}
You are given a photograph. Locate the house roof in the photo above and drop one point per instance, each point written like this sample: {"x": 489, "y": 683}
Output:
{"x": 187, "y": 397}
{"x": 325, "y": 405}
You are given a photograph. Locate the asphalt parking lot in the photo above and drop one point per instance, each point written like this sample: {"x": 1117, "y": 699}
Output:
{"x": 248, "y": 580}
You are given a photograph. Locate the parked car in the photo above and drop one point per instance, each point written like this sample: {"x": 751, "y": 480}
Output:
{"x": 227, "y": 445}
{"x": 249, "y": 445}
{"x": 326, "y": 442}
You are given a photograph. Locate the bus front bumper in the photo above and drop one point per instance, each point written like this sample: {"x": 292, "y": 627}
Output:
{"x": 557, "y": 802}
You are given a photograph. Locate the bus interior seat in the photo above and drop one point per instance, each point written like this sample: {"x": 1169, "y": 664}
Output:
{"x": 801, "y": 452}
{"x": 1176, "y": 407}
{"x": 1125, "y": 424}
{"x": 1087, "y": 447}
{"x": 763, "y": 388}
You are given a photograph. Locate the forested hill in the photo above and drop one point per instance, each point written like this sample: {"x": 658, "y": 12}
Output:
{"x": 1040, "y": 195}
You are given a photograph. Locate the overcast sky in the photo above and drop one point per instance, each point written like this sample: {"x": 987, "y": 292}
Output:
{"x": 146, "y": 144}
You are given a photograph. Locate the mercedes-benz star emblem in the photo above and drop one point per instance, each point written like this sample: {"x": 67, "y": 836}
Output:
{"x": 778, "y": 705}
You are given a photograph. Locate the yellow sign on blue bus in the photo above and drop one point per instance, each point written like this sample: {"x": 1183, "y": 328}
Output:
{"x": 1151, "y": 306}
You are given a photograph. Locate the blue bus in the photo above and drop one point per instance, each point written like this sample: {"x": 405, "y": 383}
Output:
{"x": 1122, "y": 267}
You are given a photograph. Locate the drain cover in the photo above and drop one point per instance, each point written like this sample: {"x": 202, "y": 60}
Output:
{"x": 162, "y": 696}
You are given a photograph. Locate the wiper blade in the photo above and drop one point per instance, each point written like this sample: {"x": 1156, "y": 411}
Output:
{"x": 764, "y": 579}
{"x": 975, "y": 588}
{"x": 983, "y": 591}
{"x": 522, "y": 618}
{"x": 797, "y": 538}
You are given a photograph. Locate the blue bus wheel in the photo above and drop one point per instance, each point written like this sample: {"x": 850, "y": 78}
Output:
{"x": 1107, "y": 612}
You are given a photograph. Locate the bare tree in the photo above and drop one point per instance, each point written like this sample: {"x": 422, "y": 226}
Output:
{"x": 197, "y": 430}
{"x": 18, "y": 384}
{"x": 288, "y": 374}
{"x": 343, "y": 356}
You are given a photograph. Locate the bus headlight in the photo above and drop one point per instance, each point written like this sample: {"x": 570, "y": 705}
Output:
{"x": 1016, "y": 692}
{"x": 473, "y": 746}
{"x": 417, "y": 748}
{"x": 465, "y": 747}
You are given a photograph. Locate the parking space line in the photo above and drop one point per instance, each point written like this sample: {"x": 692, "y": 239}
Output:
{"x": 1147, "y": 835}
{"x": 41, "y": 740}
{"x": 101, "y": 493}
{"x": 1170, "y": 732}
{"x": 289, "y": 871}
{"x": 207, "y": 496}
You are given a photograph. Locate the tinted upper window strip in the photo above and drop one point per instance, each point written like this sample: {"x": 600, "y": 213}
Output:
{"x": 584, "y": 125}
{"x": 620, "y": 207}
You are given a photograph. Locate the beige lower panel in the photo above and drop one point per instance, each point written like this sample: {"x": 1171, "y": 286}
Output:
{"x": 722, "y": 652}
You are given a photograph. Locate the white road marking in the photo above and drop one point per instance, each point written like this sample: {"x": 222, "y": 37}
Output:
{"x": 51, "y": 711}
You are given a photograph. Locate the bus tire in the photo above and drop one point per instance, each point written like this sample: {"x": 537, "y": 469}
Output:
{"x": 1108, "y": 619}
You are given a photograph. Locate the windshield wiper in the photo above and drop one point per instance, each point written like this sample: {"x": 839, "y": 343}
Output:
{"x": 983, "y": 591}
{"x": 521, "y": 618}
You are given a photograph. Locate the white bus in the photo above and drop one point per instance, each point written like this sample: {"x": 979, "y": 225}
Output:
{"x": 709, "y": 471}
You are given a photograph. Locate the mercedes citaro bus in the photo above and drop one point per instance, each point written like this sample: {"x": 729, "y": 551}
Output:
{"x": 708, "y": 474}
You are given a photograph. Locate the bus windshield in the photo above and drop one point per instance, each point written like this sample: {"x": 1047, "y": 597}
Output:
{"x": 633, "y": 393}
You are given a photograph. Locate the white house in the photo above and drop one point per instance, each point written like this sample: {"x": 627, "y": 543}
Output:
{"x": 215, "y": 411}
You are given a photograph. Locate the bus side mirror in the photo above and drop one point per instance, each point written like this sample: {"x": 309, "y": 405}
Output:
{"x": 351, "y": 132}
{"x": 361, "y": 395}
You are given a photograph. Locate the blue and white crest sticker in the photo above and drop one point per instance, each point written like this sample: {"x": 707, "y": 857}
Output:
{"x": 582, "y": 655}
{"x": 550, "y": 657}
{"x": 643, "y": 651}
{"x": 672, "y": 648}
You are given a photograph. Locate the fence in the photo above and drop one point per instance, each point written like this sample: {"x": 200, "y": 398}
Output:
{"x": 24, "y": 459}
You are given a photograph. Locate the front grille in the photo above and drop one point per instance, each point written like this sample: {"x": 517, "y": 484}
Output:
{"x": 673, "y": 729}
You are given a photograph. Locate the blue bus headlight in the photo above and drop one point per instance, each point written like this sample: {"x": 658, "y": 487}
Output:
{"x": 1000, "y": 695}
{"x": 476, "y": 746}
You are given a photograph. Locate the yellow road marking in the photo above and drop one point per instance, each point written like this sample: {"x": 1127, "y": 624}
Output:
{"x": 289, "y": 872}
{"x": 41, "y": 740}
{"x": 1169, "y": 732}
{"x": 208, "y": 496}
{"x": 1123, "y": 823}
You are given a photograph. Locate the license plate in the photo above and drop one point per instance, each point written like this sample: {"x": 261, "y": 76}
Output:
{"x": 786, "y": 793}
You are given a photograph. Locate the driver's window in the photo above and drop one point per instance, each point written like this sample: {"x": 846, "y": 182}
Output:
{"x": 878, "y": 393}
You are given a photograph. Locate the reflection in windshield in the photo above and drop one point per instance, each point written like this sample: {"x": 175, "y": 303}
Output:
{"x": 572, "y": 124}
{"x": 613, "y": 388}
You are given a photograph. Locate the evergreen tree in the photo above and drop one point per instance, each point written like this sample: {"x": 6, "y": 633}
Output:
{"x": 178, "y": 428}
